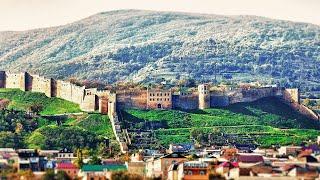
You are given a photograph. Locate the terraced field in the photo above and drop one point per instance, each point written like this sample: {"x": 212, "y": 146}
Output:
{"x": 266, "y": 122}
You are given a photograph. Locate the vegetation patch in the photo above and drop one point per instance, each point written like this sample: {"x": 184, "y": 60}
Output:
{"x": 20, "y": 100}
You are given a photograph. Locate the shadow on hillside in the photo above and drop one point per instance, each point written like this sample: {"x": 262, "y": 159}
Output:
{"x": 240, "y": 108}
{"x": 194, "y": 111}
{"x": 274, "y": 106}
{"x": 130, "y": 121}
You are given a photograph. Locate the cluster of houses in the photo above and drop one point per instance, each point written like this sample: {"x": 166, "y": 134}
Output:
{"x": 40, "y": 161}
{"x": 180, "y": 161}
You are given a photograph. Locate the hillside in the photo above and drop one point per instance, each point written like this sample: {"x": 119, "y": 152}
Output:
{"x": 265, "y": 122}
{"x": 50, "y": 130}
{"x": 20, "y": 100}
{"x": 147, "y": 46}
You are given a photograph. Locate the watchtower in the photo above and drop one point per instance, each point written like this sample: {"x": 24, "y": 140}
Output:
{"x": 204, "y": 96}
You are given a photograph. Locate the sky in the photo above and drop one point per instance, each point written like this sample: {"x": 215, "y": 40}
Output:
{"x": 29, "y": 14}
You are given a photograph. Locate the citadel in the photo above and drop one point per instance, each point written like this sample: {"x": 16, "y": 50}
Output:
{"x": 92, "y": 99}
{"x": 109, "y": 101}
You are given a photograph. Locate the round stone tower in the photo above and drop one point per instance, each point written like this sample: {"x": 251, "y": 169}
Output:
{"x": 204, "y": 96}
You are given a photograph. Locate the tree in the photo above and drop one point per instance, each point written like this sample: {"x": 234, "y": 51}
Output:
{"x": 61, "y": 175}
{"x": 120, "y": 175}
{"x": 35, "y": 108}
{"x": 79, "y": 160}
{"x": 49, "y": 175}
{"x": 306, "y": 102}
{"x": 95, "y": 160}
{"x": 27, "y": 175}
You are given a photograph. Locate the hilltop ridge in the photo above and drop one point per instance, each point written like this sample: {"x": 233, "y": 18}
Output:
{"x": 145, "y": 46}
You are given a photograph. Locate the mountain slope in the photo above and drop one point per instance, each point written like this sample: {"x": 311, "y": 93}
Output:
{"x": 141, "y": 45}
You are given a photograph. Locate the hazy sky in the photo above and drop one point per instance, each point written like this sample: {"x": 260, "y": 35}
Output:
{"x": 29, "y": 14}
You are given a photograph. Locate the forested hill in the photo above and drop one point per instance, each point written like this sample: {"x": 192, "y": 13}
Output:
{"x": 141, "y": 45}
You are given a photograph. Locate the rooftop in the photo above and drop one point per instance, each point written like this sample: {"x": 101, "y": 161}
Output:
{"x": 110, "y": 167}
{"x": 66, "y": 166}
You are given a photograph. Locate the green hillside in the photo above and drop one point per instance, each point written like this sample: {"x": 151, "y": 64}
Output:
{"x": 266, "y": 122}
{"x": 20, "y": 100}
{"x": 87, "y": 130}
{"x": 74, "y": 131}
{"x": 146, "y": 46}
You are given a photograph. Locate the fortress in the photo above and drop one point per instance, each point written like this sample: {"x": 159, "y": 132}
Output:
{"x": 92, "y": 99}
{"x": 107, "y": 102}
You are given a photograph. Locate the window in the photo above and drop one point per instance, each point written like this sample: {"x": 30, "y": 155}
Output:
{"x": 150, "y": 99}
{"x": 150, "y": 94}
{"x": 157, "y": 94}
{"x": 160, "y": 94}
{"x": 165, "y": 94}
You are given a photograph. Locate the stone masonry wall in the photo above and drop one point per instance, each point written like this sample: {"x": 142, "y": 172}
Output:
{"x": 2, "y": 79}
{"x": 70, "y": 92}
{"x": 249, "y": 95}
{"x": 15, "y": 81}
{"x": 159, "y": 99}
{"x": 292, "y": 98}
{"x": 190, "y": 101}
{"x": 218, "y": 100}
{"x": 89, "y": 100}
{"x": 132, "y": 99}
{"x": 42, "y": 85}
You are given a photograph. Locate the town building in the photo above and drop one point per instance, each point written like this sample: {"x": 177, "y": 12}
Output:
{"x": 158, "y": 167}
{"x": 29, "y": 159}
{"x": 65, "y": 155}
{"x": 99, "y": 172}
{"x": 68, "y": 168}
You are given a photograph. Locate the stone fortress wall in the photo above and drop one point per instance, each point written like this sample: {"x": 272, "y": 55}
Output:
{"x": 86, "y": 98}
{"x": 91, "y": 99}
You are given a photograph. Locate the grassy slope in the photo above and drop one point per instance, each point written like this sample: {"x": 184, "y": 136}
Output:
{"x": 96, "y": 124}
{"x": 21, "y": 100}
{"x": 93, "y": 123}
{"x": 266, "y": 120}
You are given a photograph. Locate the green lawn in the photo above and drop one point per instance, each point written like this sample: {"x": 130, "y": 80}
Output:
{"x": 268, "y": 121}
{"x": 21, "y": 100}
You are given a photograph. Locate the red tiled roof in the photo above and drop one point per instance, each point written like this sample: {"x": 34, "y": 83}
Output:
{"x": 229, "y": 164}
{"x": 250, "y": 158}
{"x": 66, "y": 166}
